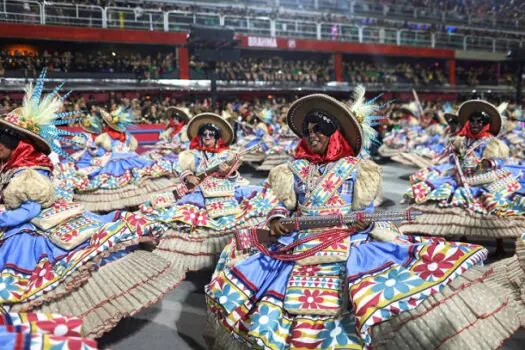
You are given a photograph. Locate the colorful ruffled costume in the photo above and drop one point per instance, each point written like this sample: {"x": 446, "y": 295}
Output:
{"x": 342, "y": 288}
{"x": 492, "y": 202}
{"x": 202, "y": 221}
{"x": 402, "y": 135}
{"x": 424, "y": 149}
{"x": 173, "y": 139}
{"x": 88, "y": 156}
{"x": 37, "y": 331}
{"x": 55, "y": 257}
{"x": 125, "y": 180}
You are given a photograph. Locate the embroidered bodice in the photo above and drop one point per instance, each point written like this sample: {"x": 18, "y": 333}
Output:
{"x": 324, "y": 189}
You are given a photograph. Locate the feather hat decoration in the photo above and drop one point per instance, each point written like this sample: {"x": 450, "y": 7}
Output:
{"x": 91, "y": 124}
{"x": 120, "y": 119}
{"x": 38, "y": 118}
{"x": 365, "y": 113}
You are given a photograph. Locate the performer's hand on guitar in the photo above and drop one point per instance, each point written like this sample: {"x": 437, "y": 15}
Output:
{"x": 192, "y": 179}
{"x": 224, "y": 169}
{"x": 277, "y": 228}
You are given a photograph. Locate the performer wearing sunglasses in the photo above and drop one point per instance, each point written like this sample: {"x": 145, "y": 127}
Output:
{"x": 349, "y": 286}
{"x": 219, "y": 199}
{"x": 475, "y": 192}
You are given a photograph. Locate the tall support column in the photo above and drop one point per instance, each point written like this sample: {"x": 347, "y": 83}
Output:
{"x": 184, "y": 63}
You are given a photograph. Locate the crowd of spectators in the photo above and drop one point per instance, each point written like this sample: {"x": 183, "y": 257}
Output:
{"x": 315, "y": 70}
{"x": 142, "y": 66}
{"x": 394, "y": 73}
{"x": 268, "y": 70}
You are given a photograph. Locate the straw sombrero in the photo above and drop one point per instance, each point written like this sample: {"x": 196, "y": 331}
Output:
{"x": 38, "y": 118}
{"x": 350, "y": 127}
{"x": 14, "y": 120}
{"x": 118, "y": 120}
{"x": 469, "y": 107}
{"x": 91, "y": 124}
{"x": 212, "y": 118}
{"x": 174, "y": 111}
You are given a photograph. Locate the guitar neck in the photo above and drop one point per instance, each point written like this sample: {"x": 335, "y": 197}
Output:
{"x": 307, "y": 222}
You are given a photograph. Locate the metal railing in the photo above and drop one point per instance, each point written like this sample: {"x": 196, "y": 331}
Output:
{"x": 126, "y": 18}
{"x": 156, "y": 20}
{"x": 22, "y": 12}
{"x": 73, "y": 15}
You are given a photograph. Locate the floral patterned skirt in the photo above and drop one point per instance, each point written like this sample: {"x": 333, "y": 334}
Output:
{"x": 195, "y": 239}
{"x": 31, "y": 265}
{"x": 38, "y": 331}
{"x": 253, "y": 297}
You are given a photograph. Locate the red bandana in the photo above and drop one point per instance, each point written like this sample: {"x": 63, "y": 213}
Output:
{"x": 485, "y": 132}
{"x": 25, "y": 155}
{"x": 176, "y": 127}
{"x": 338, "y": 147}
{"x": 196, "y": 144}
{"x": 115, "y": 135}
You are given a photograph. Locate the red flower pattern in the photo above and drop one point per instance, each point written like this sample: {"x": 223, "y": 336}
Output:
{"x": 328, "y": 185}
{"x": 308, "y": 270}
{"x": 434, "y": 263}
{"x": 216, "y": 205}
{"x": 138, "y": 222}
{"x": 305, "y": 171}
{"x": 311, "y": 299}
{"x": 41, "y": 274}
{"x": 61, "y": 326}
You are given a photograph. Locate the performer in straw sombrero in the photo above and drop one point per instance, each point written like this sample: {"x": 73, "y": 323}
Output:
{"x": 474, "y": 193}
{"x": 217, "y": 199}
{"x": 127, "y": 179}
{"x": 56, "y": 257}
{"x": 347, "y": 286}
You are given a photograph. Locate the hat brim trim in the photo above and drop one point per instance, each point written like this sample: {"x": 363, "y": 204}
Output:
{"x": 179, "y": 112}
{"x": 204, "y": 118}
{"x": 38, "y": 141}
{"x": 349, "y": 125}
{"x": 469, "y": 107}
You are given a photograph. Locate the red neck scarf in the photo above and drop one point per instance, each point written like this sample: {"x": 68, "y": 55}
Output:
{"x": 467, "y": 132}
{"x": 196, "y": 144}
{"x": 115, "y": 135}
{"x": 176, "y": 127}
{"x": 25, "y": 155}
{"x": 338, "y": 147}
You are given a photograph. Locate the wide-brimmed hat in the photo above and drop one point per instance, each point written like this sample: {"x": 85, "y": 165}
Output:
{"x": 119, "y": 119}
{"x": 175, "y": 111}
{"x": 15, "y": 121}
{"x": 349, "y": 125}
{"x": 91, "y": 124}
{"x": 472, "y": 106}
{"x": 212, "y": 118}
{"x": 37, "y": 119}
{"x": 450, "y": 116}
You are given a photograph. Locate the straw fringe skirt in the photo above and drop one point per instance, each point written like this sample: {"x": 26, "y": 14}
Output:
{"x": 510, "y": 274}
{"x": 125, "y": 197}
{"x": 446, "y": 222}
{"x": 387, "y": 152}
{"x": 468, "y": 314}
{"x": 196, "y": 251}
{"x": 116, "y": 290}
